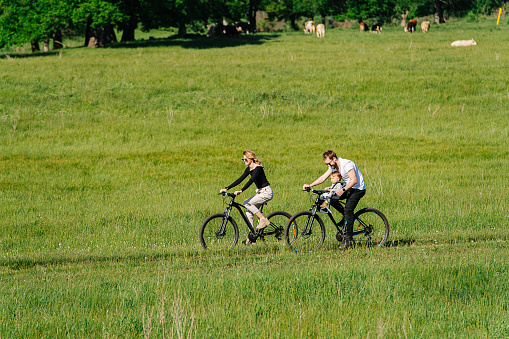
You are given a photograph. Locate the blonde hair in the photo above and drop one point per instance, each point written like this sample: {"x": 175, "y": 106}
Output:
{"x": 251, "y": 155}
{"x": 336, "y": 173}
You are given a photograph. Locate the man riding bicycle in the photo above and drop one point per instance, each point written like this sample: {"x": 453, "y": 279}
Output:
{"x": 353, "y": 190}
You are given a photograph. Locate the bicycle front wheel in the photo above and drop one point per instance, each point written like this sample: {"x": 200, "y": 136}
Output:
{"x": 304, "y": 232}
{"x": 275, "y": 231}
{"x": 370, "y": 228}
{"x": 218, "y": 233}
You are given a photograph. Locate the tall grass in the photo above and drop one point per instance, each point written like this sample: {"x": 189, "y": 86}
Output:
{"x": 111, "y": 159}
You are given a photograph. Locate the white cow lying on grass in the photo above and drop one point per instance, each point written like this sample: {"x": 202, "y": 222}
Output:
{"x": 470, "y": 42}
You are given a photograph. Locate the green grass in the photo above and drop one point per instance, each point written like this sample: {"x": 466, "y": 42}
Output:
{"x": 111, "y": 159}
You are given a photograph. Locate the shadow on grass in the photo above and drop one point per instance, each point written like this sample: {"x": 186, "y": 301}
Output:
{"x": 145, "y": 256}
{"x": 26, "y": 263}
{"x": 188, "y": 41}
{"x": 199, "y": 41}
{"x": 29, "y": 55}
{"x": 400, "y": 242}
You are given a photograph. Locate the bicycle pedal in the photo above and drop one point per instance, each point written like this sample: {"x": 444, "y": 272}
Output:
{"x": 252, "y": 236}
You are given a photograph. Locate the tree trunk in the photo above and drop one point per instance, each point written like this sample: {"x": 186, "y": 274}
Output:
{"x": 439, "y": 12}
{"x": 46, "y": 45}
{"x": 251, "y": 15}
{"x": 128, "y": 30}
{"x": 92, "y": 42}
{"x": 293, "y": 23}
{"x": 182, "y": 29}
{"x": 95, "y": 38}
{"x": 109, "y": 35}
{"x": 35, "y": 46}
{"x": 403, "y": 19}
{"x": 88, "y": 30}
{"x": 252, "y": 20}
{"x": 100, "y": 37}
{"x": 57, "y": 40}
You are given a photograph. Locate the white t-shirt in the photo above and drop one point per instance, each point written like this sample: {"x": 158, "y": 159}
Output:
{"x": 347, "y": 165}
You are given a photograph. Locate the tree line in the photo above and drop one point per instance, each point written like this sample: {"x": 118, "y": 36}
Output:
{"x": 37, "y": 21}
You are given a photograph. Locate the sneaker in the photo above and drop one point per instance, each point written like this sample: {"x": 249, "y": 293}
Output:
{"x": 324, "y": 208}
{"x": 347, "y": 242}
{"x": 246, "y": 242}
{"x": 264, "y": 222}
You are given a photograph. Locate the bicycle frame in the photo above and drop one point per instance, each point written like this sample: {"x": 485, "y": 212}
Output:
{"x": 316, "y": 205}
{"x": 239, "y": 207}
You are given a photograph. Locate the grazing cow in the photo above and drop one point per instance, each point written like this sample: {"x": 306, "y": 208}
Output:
{"x": 376, "y": 28}
{"x": 364, "y": 26}
{"x": 309, "y": 27}
{"x": 410, "y": 27}
{"x": 243, "y": 27}
{"x": 320, "y": 31}
{"x": 227, "y": 30}
{"x": 211, "y": 30}
{"x": 425, "y": 26}
{"x": 231, "y": 30}
{"x": 470, "y": 42}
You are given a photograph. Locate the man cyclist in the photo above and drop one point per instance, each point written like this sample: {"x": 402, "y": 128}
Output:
{"x": 353, "y": 190}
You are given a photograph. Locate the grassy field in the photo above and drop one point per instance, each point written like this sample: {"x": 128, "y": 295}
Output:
{"x": 111, "y": 159}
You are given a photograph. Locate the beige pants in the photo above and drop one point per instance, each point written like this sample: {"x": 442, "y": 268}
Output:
{"x": 252, "y": 204}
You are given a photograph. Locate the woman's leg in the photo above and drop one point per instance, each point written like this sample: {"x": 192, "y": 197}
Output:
{"x": 253, "y": 204}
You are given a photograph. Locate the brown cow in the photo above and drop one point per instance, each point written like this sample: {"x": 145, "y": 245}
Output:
{"x": 410, "y": 27}
{"x": 425, "y": 26}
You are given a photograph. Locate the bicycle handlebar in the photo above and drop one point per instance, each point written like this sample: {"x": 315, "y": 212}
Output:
{"x": 228, "y": 194}
{"x": 309, "y": 189}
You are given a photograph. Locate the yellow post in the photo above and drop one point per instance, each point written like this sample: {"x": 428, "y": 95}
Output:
{"x": 499, "y": 12}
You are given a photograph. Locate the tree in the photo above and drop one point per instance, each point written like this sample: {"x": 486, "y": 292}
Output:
{"x": 382, "y": 10}
{"x": 439, "y": 5}
{"x": 33, "y": 20}
{"x": 96, "y": 19}
{"x": 288, "y": 10}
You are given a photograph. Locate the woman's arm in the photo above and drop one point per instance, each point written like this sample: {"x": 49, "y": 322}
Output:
{"x": 318, "y": 181}
{"x": 239, "y": 180}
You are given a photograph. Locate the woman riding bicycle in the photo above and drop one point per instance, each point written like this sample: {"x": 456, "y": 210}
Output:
{"x": 263, "y": 190}
{"x": 353, "y": 190}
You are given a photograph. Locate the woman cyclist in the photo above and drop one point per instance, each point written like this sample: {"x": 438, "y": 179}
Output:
{"x": 263, "y": 190}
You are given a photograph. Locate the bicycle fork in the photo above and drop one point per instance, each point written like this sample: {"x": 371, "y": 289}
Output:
{"x": 222, "y": 229}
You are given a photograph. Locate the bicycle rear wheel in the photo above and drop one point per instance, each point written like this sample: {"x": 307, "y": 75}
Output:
{"x": 370, "y": 228}
{"x": 275, "y": 231}
{"x": 304, "y": 232}
{"x": 218, "y": 233}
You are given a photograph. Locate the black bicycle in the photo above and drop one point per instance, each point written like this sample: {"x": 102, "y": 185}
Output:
{"x": 220, "y": 231}
{"x": 305, "y": 231}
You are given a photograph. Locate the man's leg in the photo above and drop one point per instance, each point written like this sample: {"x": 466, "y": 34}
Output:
{"x": 352, "y": 200}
